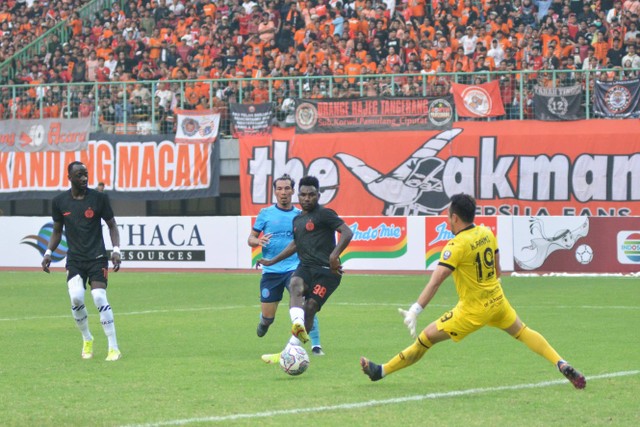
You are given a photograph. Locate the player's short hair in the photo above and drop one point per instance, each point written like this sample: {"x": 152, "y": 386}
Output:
{"x": 72, "y": 164}
{"x": 463, "y": 205}
{"x": 285, "y": 177}
{"x": 310, "y": 181}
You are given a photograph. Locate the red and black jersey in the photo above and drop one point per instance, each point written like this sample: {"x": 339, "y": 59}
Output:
{"x": 82, "y": 223}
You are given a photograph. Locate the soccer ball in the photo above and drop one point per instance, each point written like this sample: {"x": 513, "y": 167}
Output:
{"x": 294, "y": 360}
{"x": 584, "y": 254}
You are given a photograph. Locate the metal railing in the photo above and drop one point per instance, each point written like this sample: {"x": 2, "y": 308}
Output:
{"x": 148, "y": 107}
{"x": 38, "y": 47}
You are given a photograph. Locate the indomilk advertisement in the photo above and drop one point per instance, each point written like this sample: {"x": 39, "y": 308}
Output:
{"x": 373, "y": 114}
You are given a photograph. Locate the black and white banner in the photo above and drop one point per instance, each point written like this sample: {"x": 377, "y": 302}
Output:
{"x": 336, "y": 115}
{"x": 251, "y": 119}
{"x": 617, "y": 99}
{"x": 558, "y": 104}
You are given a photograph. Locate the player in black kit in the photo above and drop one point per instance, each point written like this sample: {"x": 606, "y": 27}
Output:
{"x": 80, "y": 210}
{"x": 319, "y": 273}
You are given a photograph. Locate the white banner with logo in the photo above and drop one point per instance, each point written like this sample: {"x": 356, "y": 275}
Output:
{"x": 197, "y": 126}
{"x": 574, "y": 244}
{"x": 34, "y": 135}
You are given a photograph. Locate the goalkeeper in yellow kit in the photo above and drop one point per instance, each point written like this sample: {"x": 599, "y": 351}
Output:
{"x": 472, "y": 257}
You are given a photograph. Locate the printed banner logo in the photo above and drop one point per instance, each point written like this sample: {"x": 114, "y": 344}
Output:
{"x": 618, "y": 99}
{"x": 477, "y": 100}
{"x": 376, "y": 238}
{"x": 306, "y": 116}
{"x": 40, "y": 242}
{"x": 629, "y": 247}
{"x": 543, "y": 243}
{"x": 197, "y": 126}
{"x": 438, "y": 234}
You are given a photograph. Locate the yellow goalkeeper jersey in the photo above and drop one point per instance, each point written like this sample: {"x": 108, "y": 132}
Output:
{"x": 471, "y": 255}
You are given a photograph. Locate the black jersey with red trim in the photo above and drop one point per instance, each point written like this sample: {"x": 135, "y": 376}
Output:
{"x": 82, "y": 223}
{"x": 315, "y": 235}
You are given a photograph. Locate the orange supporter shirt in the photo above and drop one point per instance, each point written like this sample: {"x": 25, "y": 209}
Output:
{"x": 601, "y": 47}
{"x": 260, "y": 96}
{"x": 354, "y": 24}
{"x": 103, "y": 52}
{"x": 155, "y": 46}
{"x": 353, "y": 70}
{"x": 417, "y": 7}
{"x": 371, "y": 66}
{"x": 76, "y": 27}
{"x": 209, "y": 9}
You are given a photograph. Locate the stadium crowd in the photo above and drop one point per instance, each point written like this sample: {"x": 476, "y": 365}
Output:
{"x": 328, "y": 42}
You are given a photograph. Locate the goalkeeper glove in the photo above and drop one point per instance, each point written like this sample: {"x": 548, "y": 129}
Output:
{"x": 411, "y": 317}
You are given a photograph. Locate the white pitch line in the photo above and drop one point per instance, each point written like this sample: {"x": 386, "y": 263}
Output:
{"x": 382, "y": 402}
{"x": 347, "y": 304}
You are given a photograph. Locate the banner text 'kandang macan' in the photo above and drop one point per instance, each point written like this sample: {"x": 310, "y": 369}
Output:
{"x": 141, "y": 167}
{"x": 589, "y": 167}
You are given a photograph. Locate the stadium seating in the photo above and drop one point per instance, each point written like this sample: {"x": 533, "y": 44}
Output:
{"x": 191, "y": 54}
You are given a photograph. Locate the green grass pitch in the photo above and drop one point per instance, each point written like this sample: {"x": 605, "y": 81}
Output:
{"x": 191, "y": 356}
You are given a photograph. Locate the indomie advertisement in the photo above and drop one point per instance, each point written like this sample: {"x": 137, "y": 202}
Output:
{"x": 373, "y": 237}
{"x": 438, "y": 233}
{"x": 583, "y": 168}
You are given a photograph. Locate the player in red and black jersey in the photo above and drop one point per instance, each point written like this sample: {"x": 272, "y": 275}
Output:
{"x": 319, "y": 273}
{"x": 80, "y": 211}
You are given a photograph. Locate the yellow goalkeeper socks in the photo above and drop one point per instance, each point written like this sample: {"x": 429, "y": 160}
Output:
{"x": 408, "y": 356}
{"x": 538, "y": 344}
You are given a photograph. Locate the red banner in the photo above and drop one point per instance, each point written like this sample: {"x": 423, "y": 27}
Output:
{"x": 478, "y": 100}
{"x": 512, "y": 168}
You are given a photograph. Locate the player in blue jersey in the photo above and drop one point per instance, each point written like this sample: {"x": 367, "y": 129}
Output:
{"x": 273, "y": 231}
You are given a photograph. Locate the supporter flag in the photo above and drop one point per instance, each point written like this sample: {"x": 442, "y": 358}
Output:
{"x": 557, "y": 104}
{"x": 197, "y": 126}
{"x": 617, "y": 99}
{"x": 478, "y": 100}
{"x": 251, "y": 119}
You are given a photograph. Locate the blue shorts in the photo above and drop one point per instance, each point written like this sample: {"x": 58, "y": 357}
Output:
{"x": 272, "y": 286}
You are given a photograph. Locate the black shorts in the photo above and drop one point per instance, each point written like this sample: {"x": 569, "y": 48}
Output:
{"x": 321, "y": 282}
{"x": 94, "y": 271}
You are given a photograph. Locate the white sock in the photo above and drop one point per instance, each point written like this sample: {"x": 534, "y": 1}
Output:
{"x": 78, "y": 309}
{"x": 297, "y": 315}
{"x": 106, "y": 316}
{"x": 294, "y": 341}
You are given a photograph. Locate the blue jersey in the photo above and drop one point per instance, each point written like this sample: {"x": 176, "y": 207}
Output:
{"x": 279, "y": 223}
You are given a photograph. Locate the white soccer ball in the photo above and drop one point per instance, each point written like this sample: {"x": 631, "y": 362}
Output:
{"x": 584, "y": 254}
{"x": 294, "y": 360}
